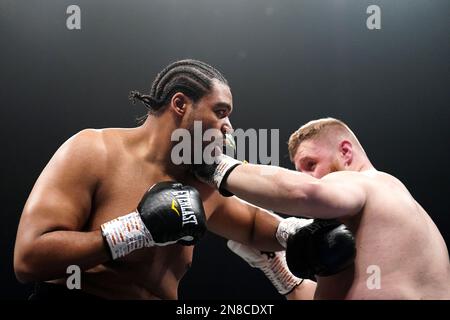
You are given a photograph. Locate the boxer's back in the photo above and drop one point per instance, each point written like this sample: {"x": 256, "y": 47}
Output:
{"x": 396, "y": 237}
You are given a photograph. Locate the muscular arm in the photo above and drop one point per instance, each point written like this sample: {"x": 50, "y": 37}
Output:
{"x": 49, "y": 237}
{"x": 336, "y": 195}
{"x": 240, "y": 221}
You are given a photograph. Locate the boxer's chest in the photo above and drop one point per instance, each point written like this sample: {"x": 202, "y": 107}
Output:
{"x": 118, "y": 194}
{"x": 120, "y": 191}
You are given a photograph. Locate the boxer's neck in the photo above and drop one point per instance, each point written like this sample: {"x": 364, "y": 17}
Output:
{"x": 361, "y": 163}
{"x": 155, "y": 144}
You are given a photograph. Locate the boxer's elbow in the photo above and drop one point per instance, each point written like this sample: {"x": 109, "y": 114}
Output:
{"x": 27, "y": 264}
{"x": 23, "y": 275}
{"x": 23, "y": 269}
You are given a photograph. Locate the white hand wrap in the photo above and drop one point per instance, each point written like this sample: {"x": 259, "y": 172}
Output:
{"x": 126, "y": 234}
{"x": 273, "y": 264}
{"x": 225, "y": 164}
{"x": 289, "y": 226}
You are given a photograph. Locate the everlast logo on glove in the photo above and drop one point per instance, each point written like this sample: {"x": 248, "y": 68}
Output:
{"x": 184, "y": 201}
{"x": 156, "y": 221}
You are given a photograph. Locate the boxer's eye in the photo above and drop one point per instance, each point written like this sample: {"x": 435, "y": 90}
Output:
{"x": 311, "y": 166}
{"x": 221, "y": 113}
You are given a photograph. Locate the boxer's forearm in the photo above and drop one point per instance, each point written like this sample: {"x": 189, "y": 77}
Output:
{"x": 304, "y": 291}
{"x": 274, "y": 188}
{"x": 264, "y": 229}
{"x": 242, "y": 222}
{"x": 48, "y": 256}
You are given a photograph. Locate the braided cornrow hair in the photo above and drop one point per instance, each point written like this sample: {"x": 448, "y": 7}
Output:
{"x": 192, "y": 77}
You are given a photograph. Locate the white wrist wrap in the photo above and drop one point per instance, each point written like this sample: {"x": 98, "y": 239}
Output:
{"x": 273, "y": 264}
{"x": 225, "y": 164}
{"x": 126, "y": 234}
{"x": 289, "y": 226}
{"x": 278, "y": 273}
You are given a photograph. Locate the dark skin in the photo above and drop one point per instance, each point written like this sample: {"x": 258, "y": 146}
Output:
{"x": 99, "y": 175}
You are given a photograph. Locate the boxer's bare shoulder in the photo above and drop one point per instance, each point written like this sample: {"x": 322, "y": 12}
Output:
{"x": 405, "y": 271}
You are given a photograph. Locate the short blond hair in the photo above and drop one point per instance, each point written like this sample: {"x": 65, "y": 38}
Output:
{"x": 313, "y": 129}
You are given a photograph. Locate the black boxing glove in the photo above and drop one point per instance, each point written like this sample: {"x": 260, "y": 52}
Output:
{"x": 168, "y": 213}
{"x": 322, "y": 248}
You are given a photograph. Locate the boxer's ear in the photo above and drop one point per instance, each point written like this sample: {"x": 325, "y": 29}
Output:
{"x": 346, "y": 152}
{"x": 179, "y": 103}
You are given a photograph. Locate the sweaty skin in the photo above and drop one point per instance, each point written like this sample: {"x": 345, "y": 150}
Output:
{"x": 99, "y": 175}
{"x": 393, "y": 232}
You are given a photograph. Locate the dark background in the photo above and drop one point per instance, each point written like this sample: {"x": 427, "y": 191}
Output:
{"x": 287, "y": 62}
